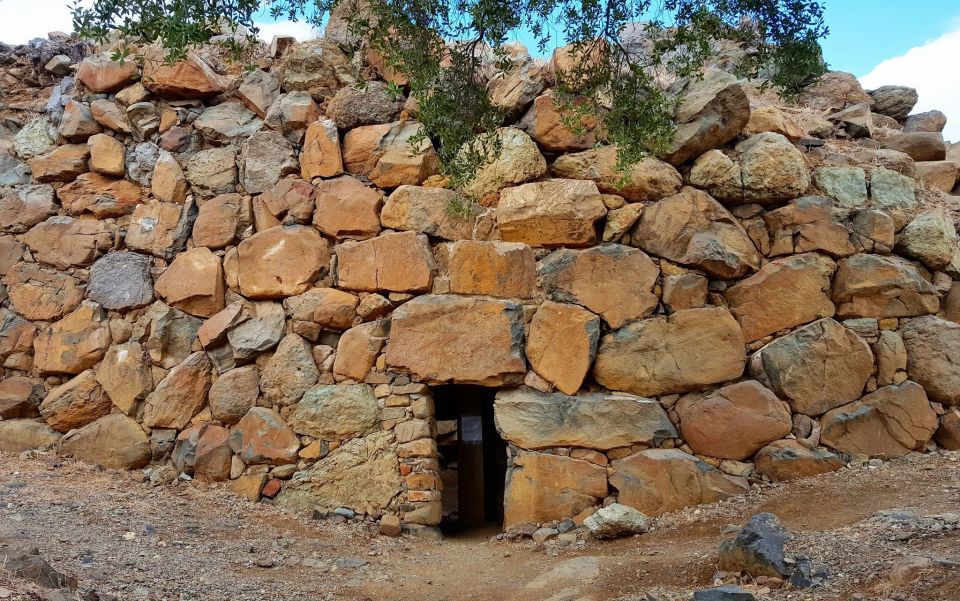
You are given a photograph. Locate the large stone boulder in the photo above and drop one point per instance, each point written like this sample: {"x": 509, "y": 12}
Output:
{"x": 516, "y": 160}
{"x": 289, "y": 202}
{"x": 224, "y": 123}
{"x": 234, "y": 393}
{"x": 20, "y": 397}
{"x": 265, "y": 158}
{"x": 166, "y": 333}
{"x": 23, "y": 207}
{"x": 73, "y": 344}
{"x": 772, "y": 119}
{"x": 189, "y": 78}
{"x": 389, "y": 155}
{"x": 808, "y": 224}
{"x": 758, "y": 549}
{"x": 890, "y": 422}
{"x": 193, "y": 283}
{"x": 712, "y": 111}
{"x": 371, "y": 104}
{"x": 938, "y": 175}
{"x": 815, "y": 368}
{"x": 126, "y": 376}
{"x": 113, "y": 441}
{"x": 358, "y": 349}
{"x": 513, "y": 90}
{"x": 361, "y": 473}
{"x": 547, "y": 122}
{"x": 894, "y": 101}
{"x": 100, "y": 74}
{"x": 336, "y": 412}
{"x": 427, "y": 211}
{"x": 694, "y": 229}
{"x": 555, "y": 212}
{"x": 431, "y": 336}
{"x": 395, "y": 262}
{"x": 262, "y": 437}
{"x": 771, "y": 169}
{"x": 500, "y": 269}
{"x": 120, "y": 281}
{"x": 203, "y": 451}
{"x": 594, "y": 420}
{"x": 646, "y": 180}
{"x": 785, "y": 293}
{"x": 213, "y": 170}
{"x": 281, "y": 261}
{"x": 16, "y": 340}
{"x": 882, "y": 287}
{"x": 931, "y": 238}
{"x": 317, "y": 66}
{"x": 242, "y": 331}
{"x": 562, "y": 344}
{"x": 66, "y": 242}
{"x": 319, "y": 309}
{"x": 180, "y": 395}
{"x": 347, "y": 209}
{"x": 160, "y": 228}
{"x": 920, "y": 145}
{"x": 17, "y": 336}
{"x": 656, "y": 481}
{"x": 932, "y": 121}
{"x": 948, "y": 434}
{"x": 222, "y": 220}
{"x": 848, "y": 185}
{"x": 892, "y": 191}
{"x": 321, "y": 155}
{"x": 258, "y": 91}
{"x": 833, "y": 92}
{"x": 733, "y": 422}
{"x": 289, "y": 372}
{"x": 541, "y": 488}
{"x": 75, "y": 403}
{"x": 77, "y": 123}
{"x": 42, "y": 294}
{"x": 689, "y": 349}
{"x": 18, "y": 435}
{"x": 933, "y": 356}
{"x": 291, "y": 114}
{"x": 611, "y": 280}
{"x": 788, "y": 459}
{"x": 103, "y": 196}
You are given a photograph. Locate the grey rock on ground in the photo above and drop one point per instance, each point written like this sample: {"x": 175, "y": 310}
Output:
{"x": 615, "y": 521}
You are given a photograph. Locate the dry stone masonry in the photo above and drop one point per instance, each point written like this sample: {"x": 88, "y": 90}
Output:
{"x": 257, "y": 277}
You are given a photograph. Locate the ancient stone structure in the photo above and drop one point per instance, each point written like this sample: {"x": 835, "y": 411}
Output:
{"x": 257, "y": 278}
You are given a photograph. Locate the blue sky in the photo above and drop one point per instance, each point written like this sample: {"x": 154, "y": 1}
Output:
{"x": 881, "y": 41}
{"x": 865, "y": 32}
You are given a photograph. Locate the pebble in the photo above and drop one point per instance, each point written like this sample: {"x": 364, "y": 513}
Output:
{"x": 542, "y": 534}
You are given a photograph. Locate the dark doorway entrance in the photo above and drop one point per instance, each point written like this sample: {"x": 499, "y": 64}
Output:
{"x": 473, "y": 458}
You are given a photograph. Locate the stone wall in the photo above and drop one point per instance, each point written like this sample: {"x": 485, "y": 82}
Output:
{"x": 255, "y": 277}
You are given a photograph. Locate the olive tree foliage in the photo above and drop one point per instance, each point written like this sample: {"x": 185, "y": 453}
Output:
{"x": 444, "y": 50}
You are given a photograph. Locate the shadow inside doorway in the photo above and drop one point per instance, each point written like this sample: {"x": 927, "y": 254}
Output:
{"x": 473, "y": 460}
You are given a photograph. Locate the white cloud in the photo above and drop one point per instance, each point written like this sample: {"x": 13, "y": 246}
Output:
{"x": 928, "y": 68}
{"x": 22, "y": 20}
{"x": 300, "y": 30}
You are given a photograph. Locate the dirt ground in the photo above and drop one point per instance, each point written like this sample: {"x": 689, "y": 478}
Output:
{"x": 125, "y": 539}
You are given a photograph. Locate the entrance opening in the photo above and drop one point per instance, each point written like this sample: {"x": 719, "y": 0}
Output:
{"x": 473, "y": 458}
